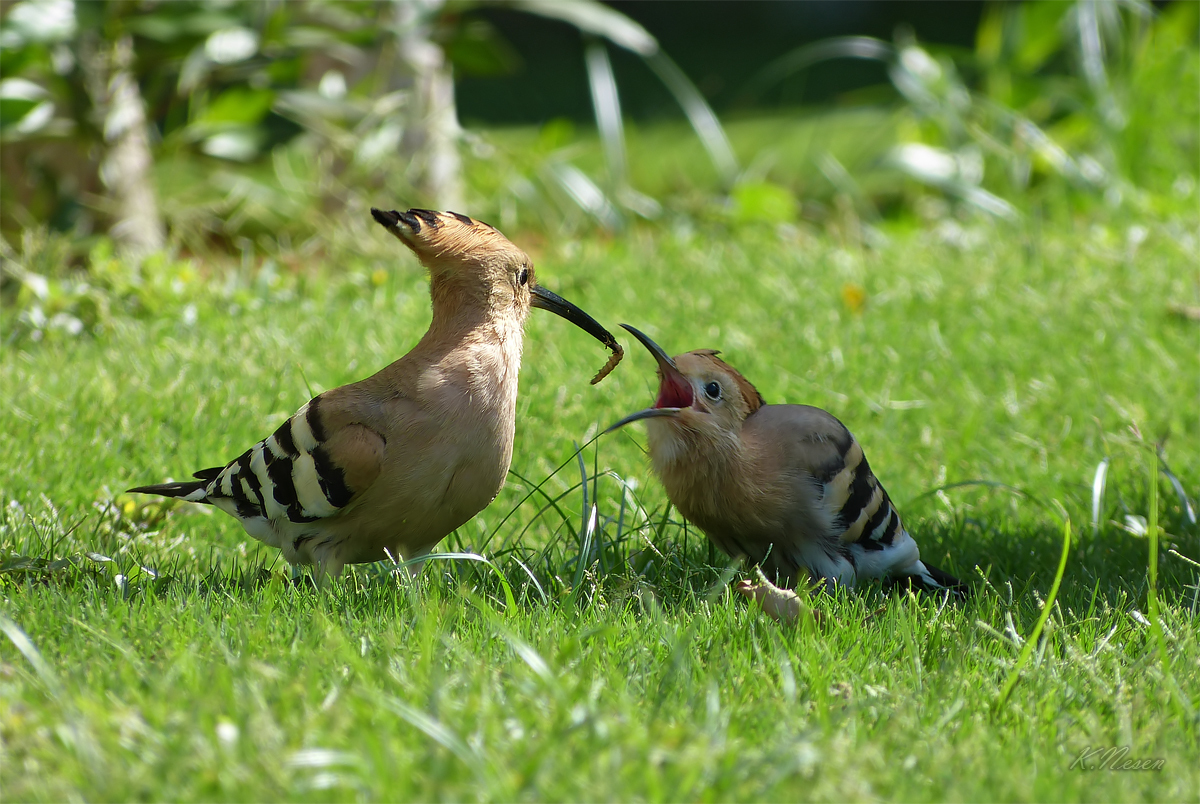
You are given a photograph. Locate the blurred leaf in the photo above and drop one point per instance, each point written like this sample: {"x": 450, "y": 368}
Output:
{"x": 555, "y": 134}
{"x": 805, "y": 56}
{"x": 989, "y": 37}
{"x": 25, "y": 121}
{"x": 13, "y": 110}
{"x": 584, "y": 192}
{"x": 763, "y": 202}
{"x": 703, "y": 119}
{"x": 238, "y": 105}
{"x": 45, "y": 21}
{"x": 231, "y": 45}
{"x": 170, "y": 22}
{"x": 1040, "y": 32}
{"x": 240, "y": 145}
{"x": 606, "y": 104}
{"x": 593, "y": 18}
{"x": 476, "y": 48}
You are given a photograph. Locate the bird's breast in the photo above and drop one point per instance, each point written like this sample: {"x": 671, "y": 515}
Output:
{"x": 712, "y": 483}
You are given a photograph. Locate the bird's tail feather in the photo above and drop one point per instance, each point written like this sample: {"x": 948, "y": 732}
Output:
{"x": 190, "y": 490}
{"x": 927, "y": 578}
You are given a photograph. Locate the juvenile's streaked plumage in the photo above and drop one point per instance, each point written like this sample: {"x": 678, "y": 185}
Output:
{"x": 395, "y": 462}
{"x": 786, "y": 486}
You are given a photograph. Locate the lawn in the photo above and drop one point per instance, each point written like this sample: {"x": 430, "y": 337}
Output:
{"x": 989, "y": 368}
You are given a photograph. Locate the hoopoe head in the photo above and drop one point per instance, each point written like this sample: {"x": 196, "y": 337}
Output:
{"x": 700, "y": 397}
{"x": 471, "y": 262}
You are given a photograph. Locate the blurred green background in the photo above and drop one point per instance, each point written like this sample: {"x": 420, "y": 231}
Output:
{"x": 210, "y": 125}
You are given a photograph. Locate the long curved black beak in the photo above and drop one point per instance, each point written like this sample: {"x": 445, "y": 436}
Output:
{"x": 548, "y": 300}
{"x": 648, "y": 413}
{"x": 664, "y": 359}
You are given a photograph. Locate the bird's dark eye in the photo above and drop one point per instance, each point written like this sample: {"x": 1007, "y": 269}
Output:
{"x": 713, "y": 390}
{"x": 523, "y": 277}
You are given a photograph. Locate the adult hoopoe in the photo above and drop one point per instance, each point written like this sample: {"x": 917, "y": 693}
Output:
{"x": 785, "y": 486}
{"x": 393, "y": 463}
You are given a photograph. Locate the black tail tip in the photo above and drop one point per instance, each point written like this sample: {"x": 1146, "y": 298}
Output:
{"x": 942, "y": 583}
{"x": 177, "y": 489}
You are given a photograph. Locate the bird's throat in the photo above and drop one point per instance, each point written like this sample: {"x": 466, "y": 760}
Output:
{"x": 674, "y": 391}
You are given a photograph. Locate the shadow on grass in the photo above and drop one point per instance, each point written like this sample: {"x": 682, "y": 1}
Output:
{"x": 656, "y": 559}
{"x": 1110, "y": 565}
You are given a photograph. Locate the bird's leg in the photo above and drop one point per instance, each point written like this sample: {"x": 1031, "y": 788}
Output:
{"x": 407, "y": 567}
{"x": 327, "y": 571}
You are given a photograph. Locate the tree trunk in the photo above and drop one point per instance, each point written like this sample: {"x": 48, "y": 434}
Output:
{"x": 125, "y": 168}
{"x": 431, "y": 132}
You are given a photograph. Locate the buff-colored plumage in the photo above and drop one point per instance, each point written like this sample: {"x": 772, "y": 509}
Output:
{"x": 390, "y": 465}
{"x": 785, "y": 486}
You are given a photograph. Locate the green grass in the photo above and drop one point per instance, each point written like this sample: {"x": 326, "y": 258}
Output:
{"x": 190, "y": 666}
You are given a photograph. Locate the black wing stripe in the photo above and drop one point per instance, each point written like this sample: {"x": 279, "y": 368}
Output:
{"x": 861, "y": 490}
{"x": 283, "y": 488}
{"x": 247, "y": 474}
{"x": 279, "y": 472}
{"x": 313, "y": 417}
{"x": 244, "y": 505}
{"x": 283, "y": 437}
{"x": 880, "y": 517}
{"x": 893, "y": 528}
{"x": 878, "y": 544}
{"x": 428, "y": 216}
{"x": 332, "y": 478}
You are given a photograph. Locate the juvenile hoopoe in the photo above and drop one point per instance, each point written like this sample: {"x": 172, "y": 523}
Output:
{"x": 785, "y": 486}
{"x": 393, "y": 463}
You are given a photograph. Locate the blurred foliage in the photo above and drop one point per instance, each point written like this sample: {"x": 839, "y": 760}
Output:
{"x": 229, "y": 81}
{"x": 270, "y": 117}
{"x": 262, "y": 111}
{"x": 1059, "y": 101}
{"x": 45, "y": 300}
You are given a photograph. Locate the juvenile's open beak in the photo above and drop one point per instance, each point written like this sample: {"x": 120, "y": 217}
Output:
{"x": 674, "y": 389}
{"x": 548, "y": 300}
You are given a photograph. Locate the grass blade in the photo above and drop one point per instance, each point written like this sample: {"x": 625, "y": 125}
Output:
{"x": 1098, "y": 493}
{"x": 510, "y": 601}
{"x": 1027, "y": 650}
{"x": 606, "y": 103}
{"x": 1182, "y": 705}
{"x": 703, "y": 119}
{"x": 24, "y": 644}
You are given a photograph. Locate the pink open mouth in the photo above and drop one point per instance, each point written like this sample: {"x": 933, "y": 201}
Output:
{"x": 674, "y": 392}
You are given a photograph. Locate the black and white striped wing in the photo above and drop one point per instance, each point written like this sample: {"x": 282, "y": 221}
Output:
{"x": 872, "y": 533}
{"x": 290, "y": 475}
{"x": 860, "y": 505}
